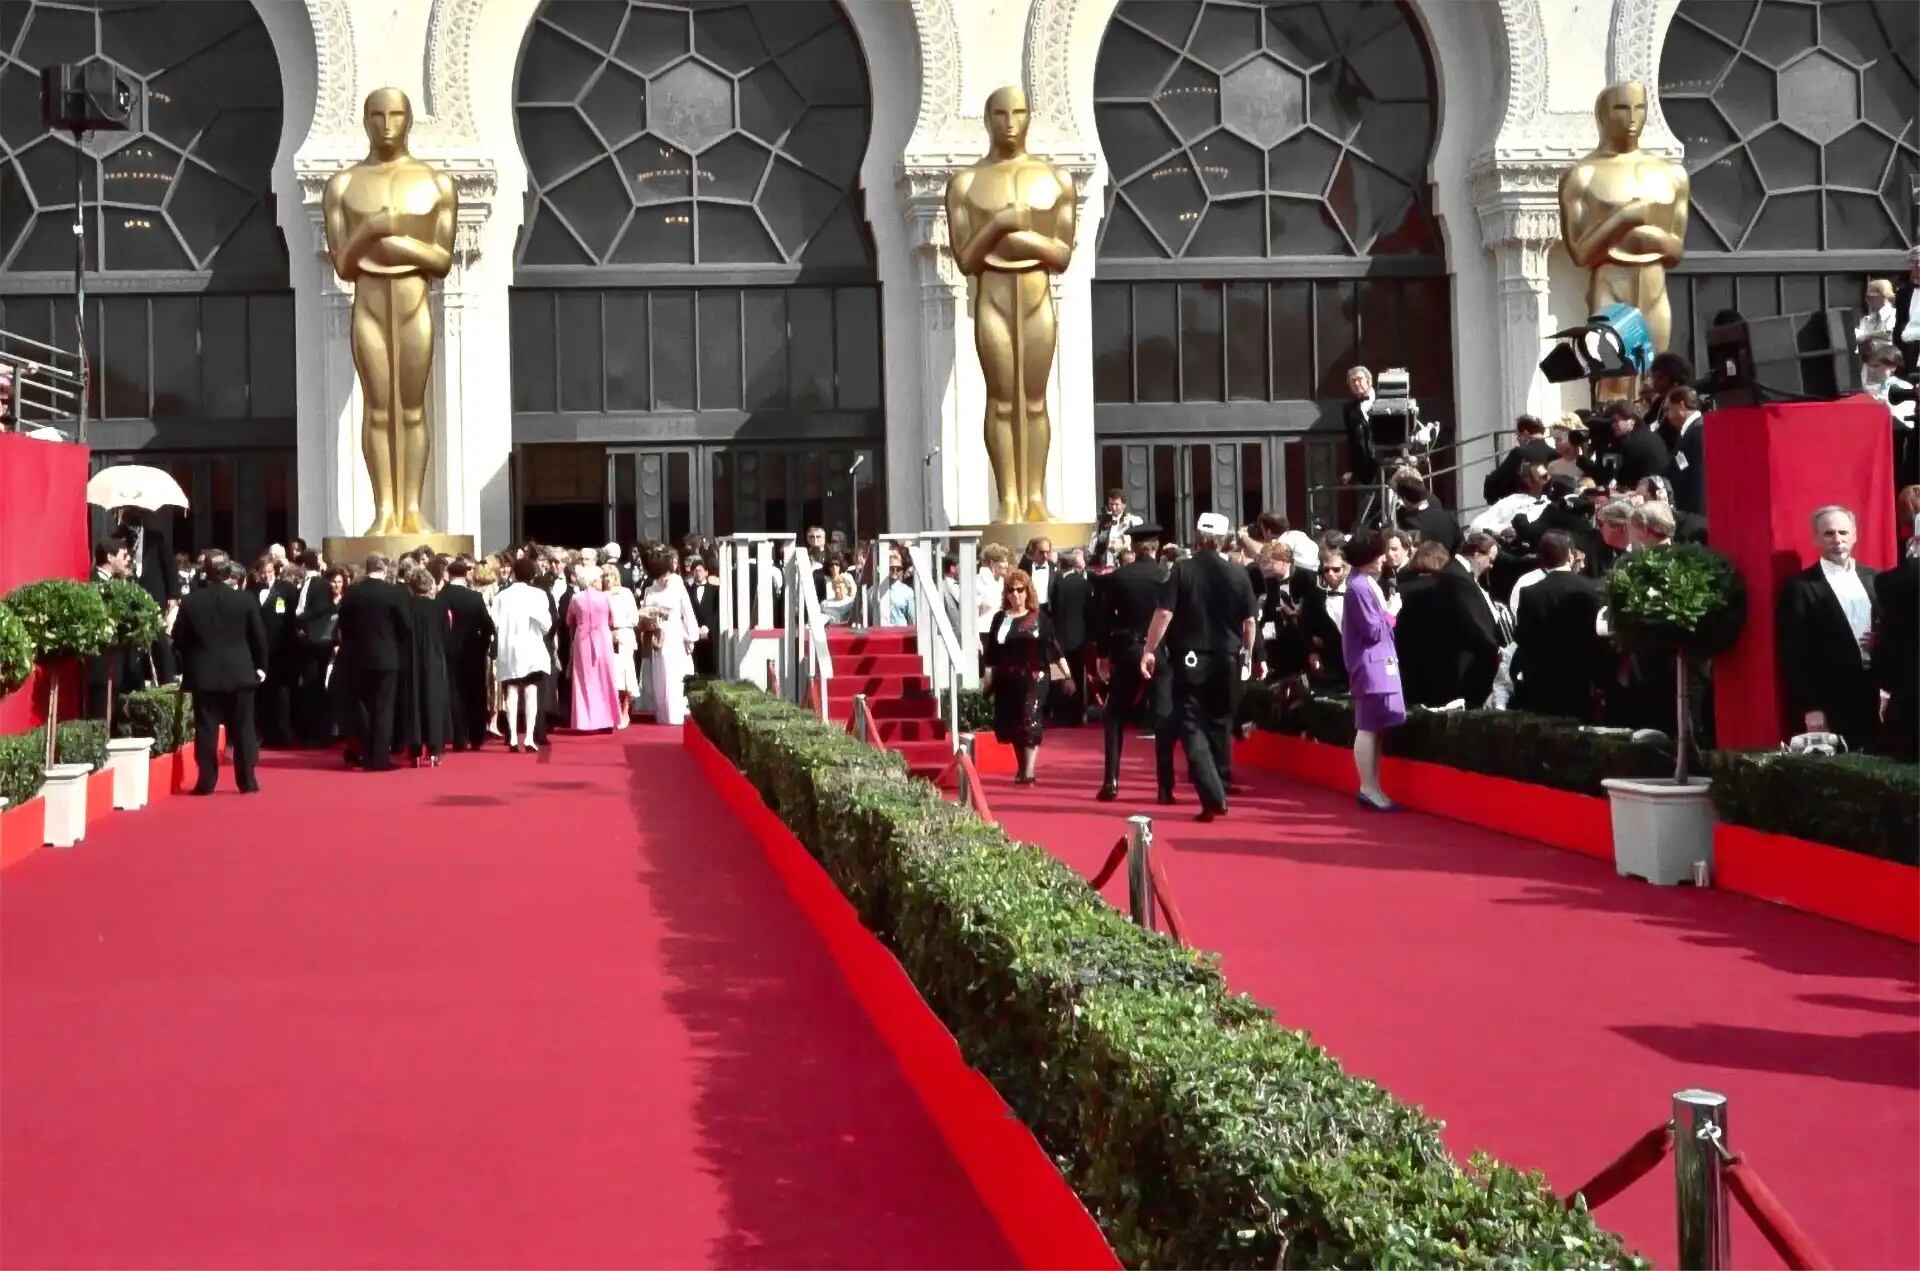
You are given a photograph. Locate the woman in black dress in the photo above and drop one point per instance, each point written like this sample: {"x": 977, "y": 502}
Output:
{"x": 1021, "y": 655}
{"x": 424, "y": 716}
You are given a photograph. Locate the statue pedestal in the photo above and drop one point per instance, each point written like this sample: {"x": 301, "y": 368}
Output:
{"x": 356, "y": 549}
{"x": 1016, "y": 535}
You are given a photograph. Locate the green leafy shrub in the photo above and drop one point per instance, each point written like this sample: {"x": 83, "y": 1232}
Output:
{"x": 22, "y": 766}
{"x": 1197, "y": 1131}
{"x": 1862, "y": 803}
{"x": 136, "y": 617}
{"x": 1538, "y": 749}
{"x": 164, "y": 713}
{"x": 81, "y": 741}
{"x": 1679, "y": 601}
{"x": 976, "y": 711}
{"x": 63, "y": 618}
{"x": 16, "y": 651}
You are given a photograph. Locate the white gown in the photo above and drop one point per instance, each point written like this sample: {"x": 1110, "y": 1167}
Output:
{"x": 669, "y": 666}
{"x": 626, "y": 613}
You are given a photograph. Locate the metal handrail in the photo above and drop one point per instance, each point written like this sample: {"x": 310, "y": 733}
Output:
{"x": 941, "y": 653}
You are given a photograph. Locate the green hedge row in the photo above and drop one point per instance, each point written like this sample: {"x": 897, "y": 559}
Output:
{"x": 23, "y": 755}
{"x": 164, "y": 713}
{"x": 1862, "y": 803}
{"x": 1197, "y": 1131}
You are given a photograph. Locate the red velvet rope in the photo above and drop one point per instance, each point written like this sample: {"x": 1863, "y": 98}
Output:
{"x": 1633, "y": 1164}
{"x": 1118, "y": 854}
{"x": 1793, "y": 1245}
{"x": 1164, "y": 893}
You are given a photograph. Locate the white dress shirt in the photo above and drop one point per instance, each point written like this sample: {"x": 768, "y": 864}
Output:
{"x": 1500, "y": 517}
{"x": 1877, "y": 323}
{"x": 1852, "y": 595}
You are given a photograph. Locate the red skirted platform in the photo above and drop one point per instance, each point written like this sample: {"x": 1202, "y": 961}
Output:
{"x": 518, "y": 1011}
{"x": 1541, "y": 1006}
{"x": 1864, "y": 891}
{"x": 43, "y": 534}
{"x": 1768, "y": 468}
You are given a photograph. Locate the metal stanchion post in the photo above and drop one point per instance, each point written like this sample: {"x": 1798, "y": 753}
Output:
{"x": 1699, "y": 1182}
{"x": 1139, "y": 880}
{"x": 963, "y": 779}
{"x": 860, "y": 716}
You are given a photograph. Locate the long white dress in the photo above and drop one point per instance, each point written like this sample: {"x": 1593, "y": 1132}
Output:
{"x": 669, "y": 666}
{"x": 521, "y": 619}
{"x": 626, "y": 615}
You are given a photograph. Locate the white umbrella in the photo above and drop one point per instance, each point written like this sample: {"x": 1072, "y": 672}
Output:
{"x": 136, "y": 486}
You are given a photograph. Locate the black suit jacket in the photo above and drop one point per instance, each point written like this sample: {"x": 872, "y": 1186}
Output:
{"x": 154, "y": 557}
{"x": 221, "y": 640}
{"x": 1559, "y": 653}
{"x": 374, "y": 625}
{"x": 1896, "y": 644}
{"x": 1575, "y": 524}
{"x": 1641, "y": 455}
{"x": 1128, "y": 597}
{"x": 1448, "y": 643}
{"x": 1068, "y": 600}
{"x": 1819, "y": 657}
{"x": 276, "y": 613}
{"x": 469, "y": 628}
{"x": 706, "y": 605}
{"x": 313, "y": 627}
{"x": 1360, "y": 459}
{"x": 1686, "y": 472}
{"x": 1433, "y": 522}
{"x": 1505, "y": 477}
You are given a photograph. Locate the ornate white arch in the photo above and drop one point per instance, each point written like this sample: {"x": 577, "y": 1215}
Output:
{"x": 1634, "y": 38}
{"x": 336, "y": 101}
{"x": 449, "y": 87}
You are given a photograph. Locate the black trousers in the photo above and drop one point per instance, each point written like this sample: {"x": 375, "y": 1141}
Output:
{"x": 373, "y": 707}
{"x": 274, "y": 705}
{"x": 467, "y": 700}
{"x": 234, "y": 710}
{"x": 1128, "y": 702}
{"x": 1202, "y": 721}
{"x": 312, "y": 707}
{"x": 164, "y": 666}
{"x": 1071, "y": 708}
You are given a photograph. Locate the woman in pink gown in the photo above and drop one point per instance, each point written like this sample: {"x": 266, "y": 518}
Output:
{"x": 596, "y": 704}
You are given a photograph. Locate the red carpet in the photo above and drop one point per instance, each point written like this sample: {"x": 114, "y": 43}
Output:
{"x": 514, "y": 1012}
{"x": 1542, "y": 1007}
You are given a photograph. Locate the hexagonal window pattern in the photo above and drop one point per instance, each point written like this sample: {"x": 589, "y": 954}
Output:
{"x": 1792, "y": 146}
{"x": 690, "y": 132}
{"x": 173, "y": 192}
{"x": 1189, "y": 92}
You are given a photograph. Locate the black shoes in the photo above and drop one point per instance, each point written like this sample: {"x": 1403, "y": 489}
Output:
{"x": 1166, "y": 799}
{"x": 1108, "y": 793}
{"x": 1211, "y": 814}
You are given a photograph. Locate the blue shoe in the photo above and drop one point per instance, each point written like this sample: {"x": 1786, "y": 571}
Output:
{"x": 1371, "y": 806}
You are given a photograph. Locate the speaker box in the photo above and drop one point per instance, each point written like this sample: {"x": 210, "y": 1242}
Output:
{"x": 1794, "y": 355}
{"x": 87, "y": 97}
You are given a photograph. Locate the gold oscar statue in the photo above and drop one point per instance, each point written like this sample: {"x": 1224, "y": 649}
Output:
{"x": 1010, "y": 218}
{"x": 1623, "y": 215}
{"x": 390, "y": 233}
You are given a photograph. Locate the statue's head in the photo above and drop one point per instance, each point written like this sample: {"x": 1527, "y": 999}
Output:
{"x": 388, "y": 116}
{"x": 1621, "y": 112}
{"x": 1007, "y": 118}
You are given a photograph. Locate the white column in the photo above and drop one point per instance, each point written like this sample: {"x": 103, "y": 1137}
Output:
{"x": 1520, "y": 226}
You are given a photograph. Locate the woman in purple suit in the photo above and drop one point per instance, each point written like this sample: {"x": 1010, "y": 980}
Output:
{"x": 1373, "y": 666}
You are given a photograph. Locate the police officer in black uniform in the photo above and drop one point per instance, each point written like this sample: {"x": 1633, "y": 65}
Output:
{"x": 1124, "y": 605}
{"x": 1205, "y": 615}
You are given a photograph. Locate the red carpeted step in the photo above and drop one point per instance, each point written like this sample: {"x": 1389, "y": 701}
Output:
{"x": 840, "y": 706}
{"x": 857, "y": 643}
{"x": 875, "y": 664}
{"x": 904, "y": 730}
{"x": 878, "y": 686}
{"x": 940, "y": 774}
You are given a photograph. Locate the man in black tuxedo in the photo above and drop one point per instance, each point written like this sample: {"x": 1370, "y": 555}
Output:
{"x": 1686, "y": 470}
{"x": 705, "y": 594}
{"x": 1362, "y": 468}
{"x": 276, "y": 596}
{"x": 1559, "y": 649}
{"x": 374, "y": 642}
{"x": 1423, "y": 517}
{"x": 1448, "y": 640}
{"x": 152, "y": 560}
{"x": 116, "y": 670}
{"x": 1530, "y": 446}
{"x": 1637, "y": 451}
{"x": 223, "y": 646}
{"x": 1665, "y": 373}
{"x": 1068, "y": 602}
{"x": 311, "y": 636}
{"x": 1128, "y": 597}
{"x": 1824, "y": 624}
{"x": 469, "y": 647}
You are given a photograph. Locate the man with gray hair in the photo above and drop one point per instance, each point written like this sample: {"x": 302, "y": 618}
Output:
{"x": 1824, "y": 623}
{"x": 222, "y": 644}
{"x": 1206, "y": 615}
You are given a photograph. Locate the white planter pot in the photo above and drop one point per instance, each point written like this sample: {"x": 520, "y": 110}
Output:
{"x": 3, "y": 826}
{"x": 130, "y": 759}
{"x": 66, "y": 794}
{"x": 1660, "y": 829}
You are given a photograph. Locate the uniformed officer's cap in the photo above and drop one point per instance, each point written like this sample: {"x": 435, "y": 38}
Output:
{"x": 1147, "y": 530}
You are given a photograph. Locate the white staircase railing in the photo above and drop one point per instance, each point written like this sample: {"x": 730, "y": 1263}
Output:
{"x": 963, "y": 622}
{"x": 806, "y": 664}
{"x": 749, "y": 599}
{"x": 944, "y": 658}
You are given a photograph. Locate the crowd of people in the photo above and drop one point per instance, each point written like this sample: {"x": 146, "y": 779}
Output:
{"x": 399, "y": 661}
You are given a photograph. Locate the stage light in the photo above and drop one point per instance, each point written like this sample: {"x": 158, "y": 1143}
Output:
{"x": 1612, "y": 344}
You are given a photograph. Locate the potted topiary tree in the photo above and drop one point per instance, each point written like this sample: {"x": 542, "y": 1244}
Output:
{"x": 66, "y": 620}
{"x": 1683, "y": 602}
{"x": 137, "y": 623}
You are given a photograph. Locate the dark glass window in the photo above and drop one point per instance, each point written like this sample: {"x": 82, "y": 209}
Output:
{"x": 1798, "y": 121}
{"x": 1244, "y": 129}
{"x": 184, "y": 189}
{"x": 676, "y": 132}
